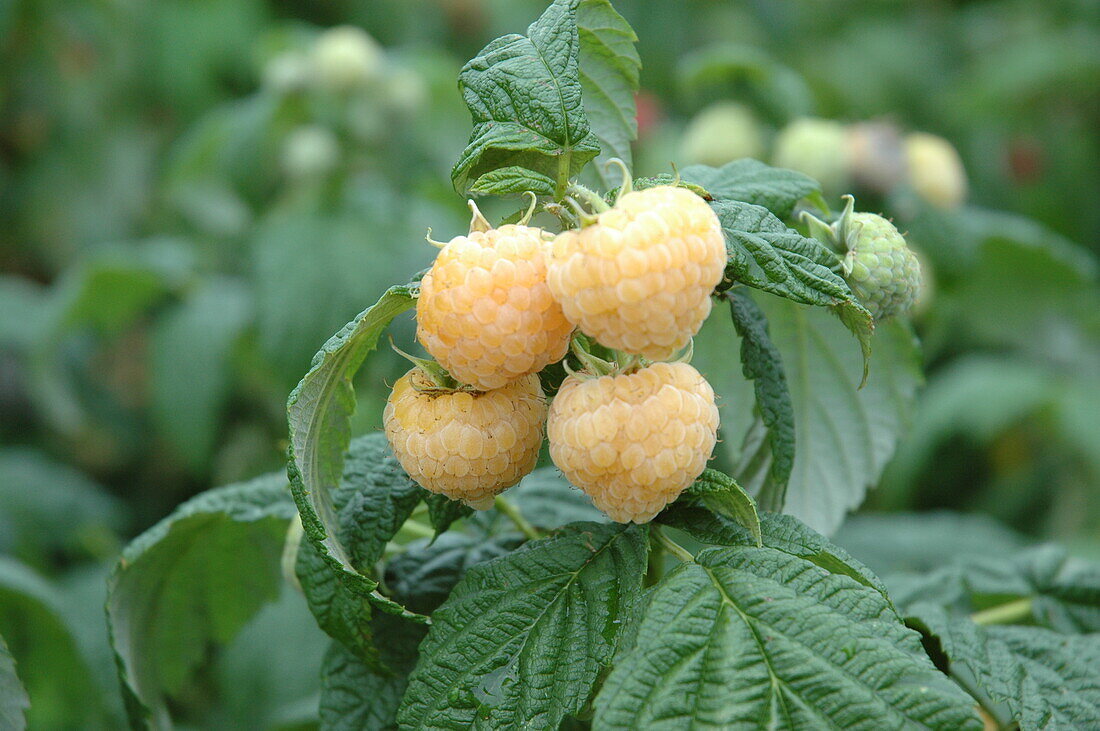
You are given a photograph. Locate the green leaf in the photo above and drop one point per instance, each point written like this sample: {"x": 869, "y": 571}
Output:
{"x": 522, "y": 639}
{"x": 1045, "y": 680}
{"x": 762, "y": 362}
{"x": 512, "y": 180}
{"x": 1064, "y": 592}
{"x": 423, "y": 576}
{"x": 721, "y": 494}
{"x": 609, "y": 68}
{"x": 778, "y": 532}
{"x": 747, "y": 637}
{"x": 442, "y": 511}
{"x": 46, "y": 506}
{"x": 525, "y": 99}
{"x": 896, "y": 542}
{"x": 190, "y": 365}
{"x": 549, "y": 502}
{"x": 318, "y": 414}
{"x": 51, "y": 667}
{"x": 845, "y": 434}
{"x": 193, "y": 580}
{"x": 356, "y": 696}
{"x": 13, "y": 696}
{"x": 374, "y": 499}
{"x": 766, "y": 255}
{"x": 751, "y": 181}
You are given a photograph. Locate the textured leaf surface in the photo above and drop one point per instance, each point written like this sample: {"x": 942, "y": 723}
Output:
{"x": 721, "y": 494}
{"x": 609, "y": 68}
{"x": 374, "y": 499}
{"x": 13, "y": 697}
{"x": 766, "y": 255}
{"x": 512, "y": 180}
{"x": 1046, "y": 680}
{"x": 750, "y": 638}
{"x": 845, "y": 434}
{"x": 525, "y": 99}
{"x": 762, "y": 362}
{"x": 318, "y": 414}
{"x": 442, "y": 511}
{"x": 356, "y": 696}
{"x": 751, "y": 181}
{"x": 193, "y": 580}
{"x": 522, "y": 639}
{"x": 778, "y": 532}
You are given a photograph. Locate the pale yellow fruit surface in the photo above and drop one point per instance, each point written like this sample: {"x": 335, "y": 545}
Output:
{"x": 935, "y": 170}
{"x": 485, "y": 311}
{"x": 467, "y": 446}
{"x": 634, "y": 442}
{"x": 639, "y": 279}
{"x": 721, "y": 133}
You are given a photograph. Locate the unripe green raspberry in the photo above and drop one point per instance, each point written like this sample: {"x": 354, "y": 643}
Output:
{"x": 935, "y": 170}
{"x": 721, "y": 133}
{"x": 469, "y": 446}
{"x": 344, "y": 58}
{"x": 485, "y": 311}
{"x": 639, "y": 279}
{"x": 634, "y": 442}
{"x": 311, "y": 151}
{"x": 881, "y": 269}
{"x": 816, "y": 147}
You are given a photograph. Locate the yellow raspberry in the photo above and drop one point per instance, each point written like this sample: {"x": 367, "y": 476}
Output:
{"x": 485, "y": 312}
{"x": 639, "y": 279}
{"x": 935, "y": 170}
{"x": 634, "y": 442}
{"x": 469, "y": 446}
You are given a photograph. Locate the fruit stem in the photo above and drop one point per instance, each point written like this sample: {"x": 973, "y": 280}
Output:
{"x": 1008, "y": 613}
{"x": 670, "y": 545}
{"x": 589, "y": 196}
{"x": 510, "y": 510}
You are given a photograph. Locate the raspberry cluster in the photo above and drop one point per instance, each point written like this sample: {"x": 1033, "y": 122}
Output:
{"x": 500, "y": 304}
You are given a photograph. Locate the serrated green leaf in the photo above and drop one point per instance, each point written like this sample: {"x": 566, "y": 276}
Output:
{"x": 522, "y": 639}
{"x": 190, "y": 581}
{"x": 51, "y": 668}
{"x": 355, "y": 695}
{"x": 423, "y": 576}
{"x": 1046, "y": 680}
{"x": 721, "y": 494}
{"x": 845, "y": 434}
{"x": 762, "y": 362}
{"x": 318, "y": 413}
{"x": 1064, "y": 592}
{"x": 766, "y": 255}
{"x": 13, "y": 696}
{"x": 190, "y": 365}
{"x": 747, "y": 637}
{"x": 525, "y": 99}
{"x": 609, "y": 70}
{"x": 512, "y": 180}
{"x": 548, "y": 501}
{"x": 374, "y": 499}
{"x": 751, "y": 181}
{"x": 782, "y": 533}
{"x": 442, "y": 511}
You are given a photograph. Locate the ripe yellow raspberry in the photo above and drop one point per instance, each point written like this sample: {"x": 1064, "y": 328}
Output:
{"x": 469, "y": 446}
{"x": 639, "y": 279}
{"x": 485, "y": 312}
{"x": 935, "y": 170}
{"x": 634, "y": 442}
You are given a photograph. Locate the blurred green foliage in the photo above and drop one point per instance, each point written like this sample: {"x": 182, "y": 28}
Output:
{"x": 190, "y": 207}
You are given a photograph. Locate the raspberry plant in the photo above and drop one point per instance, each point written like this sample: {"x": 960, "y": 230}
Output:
{"x": 682, "y": 595}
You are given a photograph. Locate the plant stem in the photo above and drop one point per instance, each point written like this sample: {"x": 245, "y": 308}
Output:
{"x": 516, "y": 517}
{"x": 671, "y": 546}
{"x": 412, "y": 527}
{"x": 1012, "y": 612}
